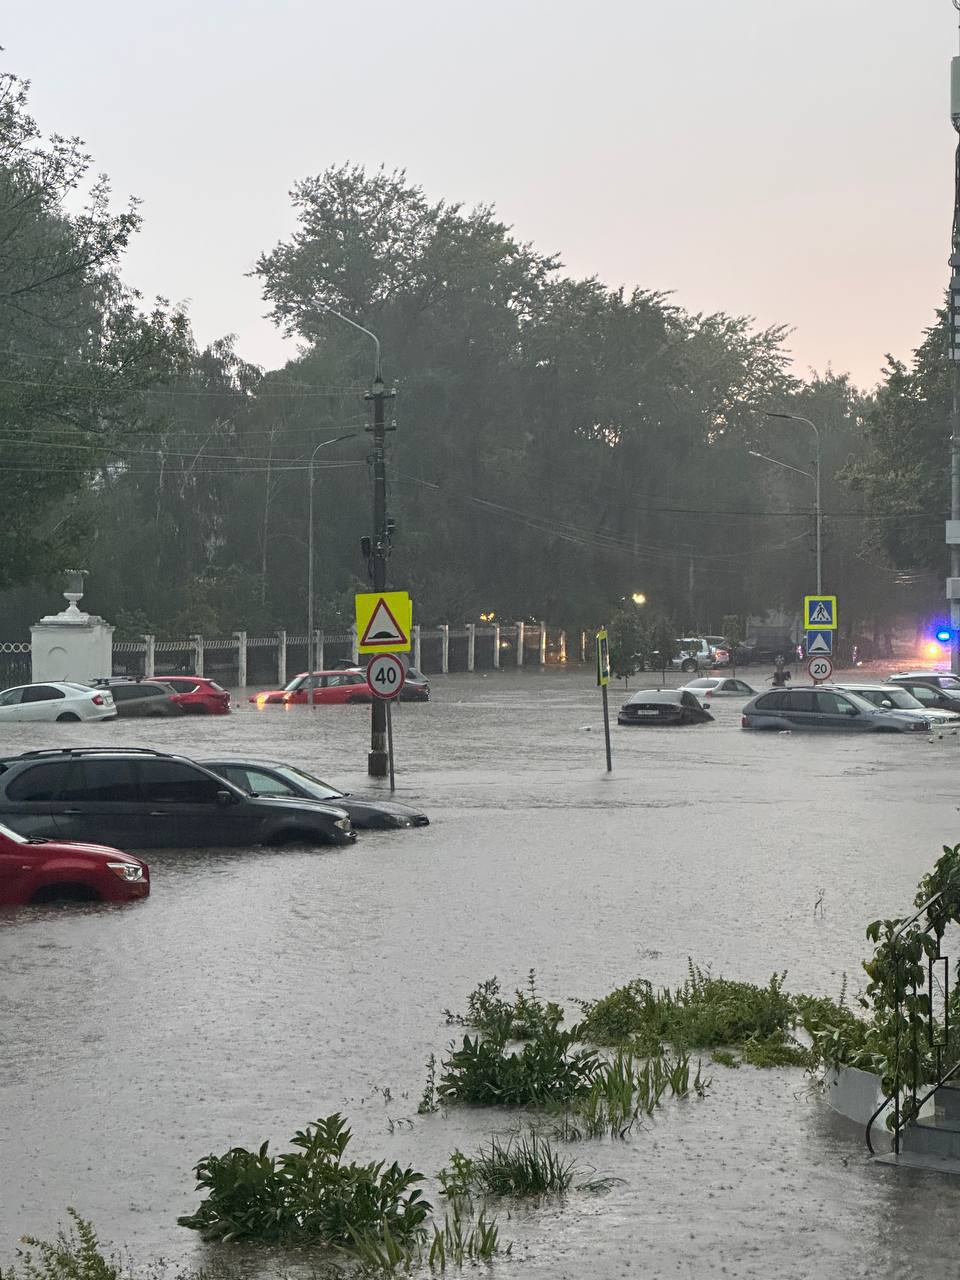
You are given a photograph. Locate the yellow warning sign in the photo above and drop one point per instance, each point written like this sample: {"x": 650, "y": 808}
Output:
{"x": 384, "y": 622}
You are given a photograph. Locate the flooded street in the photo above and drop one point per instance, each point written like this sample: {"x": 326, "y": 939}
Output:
{"x": 259, "y": 989}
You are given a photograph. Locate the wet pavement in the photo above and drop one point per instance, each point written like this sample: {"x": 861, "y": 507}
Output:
{"x": 258, "y": 989}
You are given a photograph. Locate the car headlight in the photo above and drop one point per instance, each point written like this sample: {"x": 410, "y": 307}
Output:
{"x": 128, "y": 871}
{"x": 344, "y": 824}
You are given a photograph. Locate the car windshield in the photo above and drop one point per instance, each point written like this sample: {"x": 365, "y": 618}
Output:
{"x": 315, "y": 786}
{"x": 296, "y": 683}
{"x": 15, "y": 836}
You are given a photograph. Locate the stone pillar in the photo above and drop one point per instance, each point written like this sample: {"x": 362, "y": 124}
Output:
{"x": 71, "y": 646}
{"x": 241, "y": 658}
{"x": 197, "y": 655}
{"x": 496, "y": 647}
{"x": 281, "y": 658}
{"x": 415, "y": 639}
{"x": 583, "y": 646}
{"x": 354, "y": 645}
{"x": 520, "y": 630}
{"x": 543, "y": 644}
{"x": 471, "y": 646}
{"x": 318, "y": 651}
{"x": 149, "y": 656}
{"x": 563, "y": 646}
{"x": 445, "y": 648}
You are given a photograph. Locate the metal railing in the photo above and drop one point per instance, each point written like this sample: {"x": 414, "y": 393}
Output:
{"x": 925, "y": 1053}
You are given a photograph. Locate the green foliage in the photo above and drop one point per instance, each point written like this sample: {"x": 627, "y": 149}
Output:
{"x": 626, "y": 640}
{"x": 74, "y": 1255}
{"x": 626, "y": 1089}
{"x": 526, "y": 1016}
{"x": 524, "y": 1165}
{"x": 310, "y": 1195}
{"x": 484, "y": 1073}
{"x": 458, "y": 1240}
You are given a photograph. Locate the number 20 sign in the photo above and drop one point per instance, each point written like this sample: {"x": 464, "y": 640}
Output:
{"x": 385, "y": 675}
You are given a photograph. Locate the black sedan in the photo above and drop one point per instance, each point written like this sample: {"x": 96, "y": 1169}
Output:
{"x": 663, "y": 706}
{"x": 283, "y": 781}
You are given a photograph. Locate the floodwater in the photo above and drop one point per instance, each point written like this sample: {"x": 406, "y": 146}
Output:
{"x": 257, "y": 990}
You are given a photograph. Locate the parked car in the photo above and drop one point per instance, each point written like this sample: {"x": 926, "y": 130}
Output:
{"x": 416, "y": 686}
{"x": 141, "y": 697}
{"x": 719, "y": 650}
{"x": 198, "y": 695}
{"x": 325, "y": 686}
{"x": 271, "y": 778}
{"x": 33, "y": 871}
{"x": 141, "y": 799}
{"x": 663, "y": 706}
{"x": 719, "y": 687}
{"x": 60, "y": 700}
{"x": 938, "y": 679}
{"x": 926, "y": 690}
{"x": 894, "y": 697}
{"x": 825, "y": 707}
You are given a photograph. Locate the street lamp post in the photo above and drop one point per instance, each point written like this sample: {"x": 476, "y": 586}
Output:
{"x": 796, "y": 417}
{"x": 310, "y": 649}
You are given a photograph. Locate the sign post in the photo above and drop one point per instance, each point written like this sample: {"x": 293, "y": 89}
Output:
{"x": 385, "y": 676}
{"x": 603, "y": 679}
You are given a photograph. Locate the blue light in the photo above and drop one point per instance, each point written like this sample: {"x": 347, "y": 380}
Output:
{"x": 943, "y": 635}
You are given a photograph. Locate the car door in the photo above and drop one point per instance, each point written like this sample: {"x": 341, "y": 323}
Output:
{"x": 18, "y": 869}
{"x": 839, "y": 712}
{"x": 189, "y": 797}
{"x": 800, "y": 710}
{"x": 99, "y": 802}
{"x": 30, "y": 802}
{"x": 10, "y": 708}
{"x": 931, "y": 697}
{"x": 37, "y": 702}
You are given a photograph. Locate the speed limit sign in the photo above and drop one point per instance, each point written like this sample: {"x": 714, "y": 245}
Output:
{"x": 820, "y": 669}
{"x": 385, "y": 675}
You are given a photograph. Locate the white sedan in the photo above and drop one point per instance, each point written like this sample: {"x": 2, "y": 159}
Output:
{"x": 720, "y": 687}
{"x": 56, "y": 700}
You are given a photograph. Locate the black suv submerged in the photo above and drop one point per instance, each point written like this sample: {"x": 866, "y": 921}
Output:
{"x": 140, "y": 799}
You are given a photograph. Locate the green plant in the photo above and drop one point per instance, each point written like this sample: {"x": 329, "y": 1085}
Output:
{"x": 524, "y": 1165}
{"x": 74, "y": 1255}
{"x": 310, "y": 1195}
{"x": 458, "y": 1240}
{"x": 504, "y": 1020}
{"x": 428, "y": 1101}
{"x": 546, "y": 1069}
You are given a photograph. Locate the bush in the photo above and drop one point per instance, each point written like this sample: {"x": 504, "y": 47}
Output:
{"x": 482, "y": 1073}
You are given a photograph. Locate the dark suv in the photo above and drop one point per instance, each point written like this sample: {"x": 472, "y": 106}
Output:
{"x": 142, "y": 697}
{"x": 139, "y": 799}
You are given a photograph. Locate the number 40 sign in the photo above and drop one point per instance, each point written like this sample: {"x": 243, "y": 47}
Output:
{"x": 385, "y": 675}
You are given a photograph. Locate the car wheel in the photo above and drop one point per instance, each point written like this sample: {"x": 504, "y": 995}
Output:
{"x": 688, "y": 664}
{"x": 66, "y": 716}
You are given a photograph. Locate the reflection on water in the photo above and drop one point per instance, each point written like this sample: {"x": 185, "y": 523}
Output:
{"x": 259, "y": 989}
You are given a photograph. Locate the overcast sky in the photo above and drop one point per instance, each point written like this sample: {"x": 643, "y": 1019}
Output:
{"x": 789, "y": 161}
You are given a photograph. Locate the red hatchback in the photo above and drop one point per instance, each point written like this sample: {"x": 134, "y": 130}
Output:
{"x": 36, "y": 870}
{"x": 327, "y": 687}
{"x": 199, "y": 696}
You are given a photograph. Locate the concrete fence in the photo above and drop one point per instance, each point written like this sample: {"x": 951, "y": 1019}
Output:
{"x": 244, "y": 659}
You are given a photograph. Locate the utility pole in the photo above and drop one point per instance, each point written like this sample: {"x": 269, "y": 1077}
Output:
{"x": 953, "y": 527}
{"x": 378, "y": 758}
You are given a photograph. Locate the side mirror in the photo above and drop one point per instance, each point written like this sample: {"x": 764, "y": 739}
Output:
{"x": 887, "y": 704}
{"x": 225, "y": 798}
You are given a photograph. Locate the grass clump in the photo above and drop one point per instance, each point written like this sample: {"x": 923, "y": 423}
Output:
{"x": 625, "y": 1090}
{"x": 524, "y": 1165}
{"x": 458, "y": 1240}
{"x": 307, "y": 1196}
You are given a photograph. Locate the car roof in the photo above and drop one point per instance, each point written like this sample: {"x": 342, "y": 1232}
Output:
{"x": 657, "y": 695}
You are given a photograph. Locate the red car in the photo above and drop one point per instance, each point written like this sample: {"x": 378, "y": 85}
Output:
{"x": 199, "y": 696}
{"x": 327, "y": 686}
{"x": 37, "y": 870}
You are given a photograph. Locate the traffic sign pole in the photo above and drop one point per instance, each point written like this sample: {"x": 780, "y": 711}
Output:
{"x": 389, "y": 711}
{"x": 603, "y": 679}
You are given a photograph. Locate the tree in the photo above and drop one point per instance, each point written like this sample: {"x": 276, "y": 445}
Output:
{"x": 626, "y": 641}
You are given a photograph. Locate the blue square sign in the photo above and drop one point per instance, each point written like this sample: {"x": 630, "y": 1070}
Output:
{"x": 819, "y": 643}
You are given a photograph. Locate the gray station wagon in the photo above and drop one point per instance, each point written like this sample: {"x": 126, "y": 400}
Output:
{"x": 826, "y": 707}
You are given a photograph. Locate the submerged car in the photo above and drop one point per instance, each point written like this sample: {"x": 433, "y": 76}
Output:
{"x": 37, "y": 870}
{"x": 931, "y": 690}
{"x": 56, "y": 700}
{"x": 663, "y": 706}
{"x": 198, "y": 696}
{"x": 719, "y": 687}
{"x": 140, "y": 697}
{"x": 324, "y": 687}
{"x": 895, "y": 697}
{"x": 271, "y": 778}
{"x": 141, "y": 799}
{"x": 826, "y": 707}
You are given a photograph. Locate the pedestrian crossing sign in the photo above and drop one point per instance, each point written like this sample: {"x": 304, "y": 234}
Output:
{"x": 820, "y": 613}
{"x": 384, "y": 621}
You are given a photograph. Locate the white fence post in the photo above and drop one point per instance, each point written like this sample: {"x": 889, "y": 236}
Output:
{"x": 563, "y": 646}
{"x": 496, "y": 647}
{"x": 197, "y": 655}
{"x": 445, "y": 647}
{"x": 354, "y": 645}
{"x": 520, "y": 631}
{"x": 416, "y": 645}
{"x": 471, "y": 646}
{"x": 281, "y": 658}
{"x": 543, "y": 644}
{"x": 241, "y": 658}
{"x": 318, "y": 650}
{"x": 149, "y": 656}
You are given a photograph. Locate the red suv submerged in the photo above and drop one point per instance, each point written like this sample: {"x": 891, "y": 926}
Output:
{"x": 198, "y": 695}
{"x": 37, "y": 870}
{"x": 327, "y": 687}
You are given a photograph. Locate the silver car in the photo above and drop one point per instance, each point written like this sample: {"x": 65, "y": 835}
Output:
{"x": 891, "y": 697}
{"x": 826, "y": 707}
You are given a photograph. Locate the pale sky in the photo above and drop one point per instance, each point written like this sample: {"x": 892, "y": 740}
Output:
{"x": 791, "y": 161}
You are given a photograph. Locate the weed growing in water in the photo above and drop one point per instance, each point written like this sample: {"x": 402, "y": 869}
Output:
{"x": 74, "y": 1255}
{"x": 460, "y": 1239}
{"x": 498, "y": 1019}
{"x": 524, "y": 1165}
{"x": 547, "y": 1069}
{"x": 428, "y": 1102}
